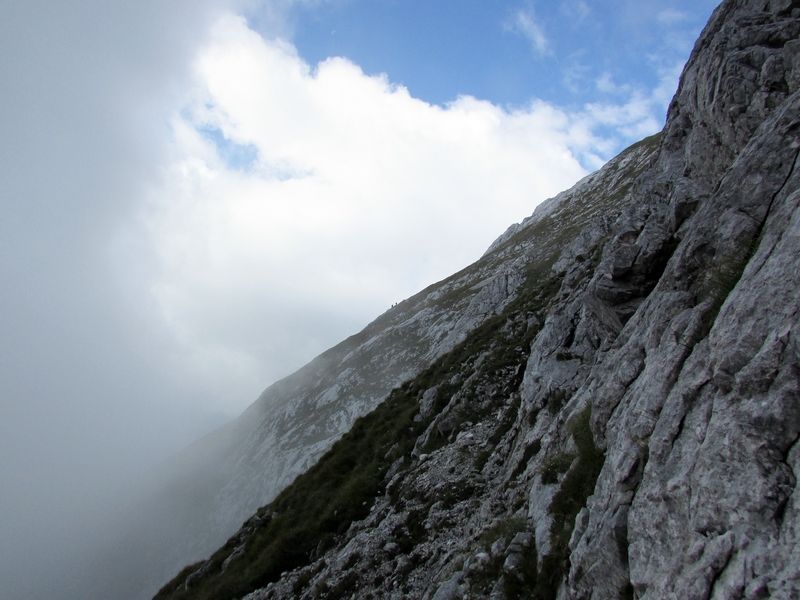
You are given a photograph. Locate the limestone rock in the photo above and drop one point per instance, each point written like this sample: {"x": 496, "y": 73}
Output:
{"x": 611, "y": 393}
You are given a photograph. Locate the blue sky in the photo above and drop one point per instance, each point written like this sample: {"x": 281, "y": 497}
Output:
{"x": 202, "y": 195}
{"x": 401, "y": 136}
{"x": 491, "y": 49}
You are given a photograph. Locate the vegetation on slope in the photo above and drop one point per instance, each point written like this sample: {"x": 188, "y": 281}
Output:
{"x": 317, "y": 509}
{"x": 320, "y": 505}
{"x": 577, "y": 486}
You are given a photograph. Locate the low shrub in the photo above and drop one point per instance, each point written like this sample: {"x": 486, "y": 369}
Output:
{"x": 339, "y": 489}
{"x": 577, "y": 486}
{"x": 555, "y": 466}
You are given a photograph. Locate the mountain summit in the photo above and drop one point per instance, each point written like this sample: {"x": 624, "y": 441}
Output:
{"x": 605, "y": 405}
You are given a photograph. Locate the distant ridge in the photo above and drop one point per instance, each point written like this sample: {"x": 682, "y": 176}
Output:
{"x": 605, "y": 405}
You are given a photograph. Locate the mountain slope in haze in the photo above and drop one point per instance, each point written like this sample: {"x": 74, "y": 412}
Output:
{"x": 606, "y": 405}
{"x": 221, "y": 480}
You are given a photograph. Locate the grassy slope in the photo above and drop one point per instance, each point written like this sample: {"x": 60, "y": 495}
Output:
{"x": 319, "y": 506}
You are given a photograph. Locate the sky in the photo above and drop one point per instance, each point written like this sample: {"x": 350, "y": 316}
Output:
{"x": 200, "y": 196}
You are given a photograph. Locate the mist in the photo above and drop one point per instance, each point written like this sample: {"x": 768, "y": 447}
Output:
{"x": 103, "y": 379}
{"x": 191, "y": 211}
{"x": 89, "y": 405}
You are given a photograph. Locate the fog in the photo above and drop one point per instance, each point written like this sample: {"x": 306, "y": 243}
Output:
{"x": 149, "y": 292}
{"x": 102, "y": 378}
{"x": 88, "y": 405}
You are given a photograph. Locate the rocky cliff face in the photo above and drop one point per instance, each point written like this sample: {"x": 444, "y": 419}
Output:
{"x": 606, "y": 405}
{"x": 224, "y": 478}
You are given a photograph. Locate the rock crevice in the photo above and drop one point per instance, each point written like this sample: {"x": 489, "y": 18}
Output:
{"x": 607, "y": 404}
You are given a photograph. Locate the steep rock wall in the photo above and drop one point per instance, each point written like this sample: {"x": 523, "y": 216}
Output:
{"x": 626, "y": 425}
{"x": 223, "y": 479}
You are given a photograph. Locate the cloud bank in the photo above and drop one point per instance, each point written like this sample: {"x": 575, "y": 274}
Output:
{"x": 190, "y": 211}
{"x": 526, "y": 24}
{"x": 302, "y": 200}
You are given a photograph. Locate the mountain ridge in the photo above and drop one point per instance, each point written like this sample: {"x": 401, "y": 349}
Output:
{"x": 561, "y": 390}
{"x": 244, "y": 465}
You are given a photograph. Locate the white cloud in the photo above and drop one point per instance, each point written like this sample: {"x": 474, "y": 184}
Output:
{"x": 525, "y": 23}
{"x": 606, "y": 84}
{"x": 671, "y": 16}
{"x": 360, "y": 196}
{"x": 576, "y": 9}
{"x": 631, "y": 112}
{"x": 125, "y": 337}
{"x": 635, "y": 113}
{"x": 633, "y": 119}
{"x": 668, "y": 78}
{"x": 575, "y": 72}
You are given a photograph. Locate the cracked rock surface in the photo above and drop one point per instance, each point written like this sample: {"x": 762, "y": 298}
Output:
{"x": 606, "y": 405}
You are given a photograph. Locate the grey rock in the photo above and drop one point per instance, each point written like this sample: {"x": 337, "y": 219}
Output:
{"x": 427, "y": 402}
{"x": 480, "y": 562}
{"x": 391, "y": 548}
{"x": 450, "y": 589}
{"x": 658, "y": 386}
{"x": 515, "y": 554}
{"x": 498, "y": 591}
{"x": 498, "y": 547}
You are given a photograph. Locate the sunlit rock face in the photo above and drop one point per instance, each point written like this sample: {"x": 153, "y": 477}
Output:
{"x": 605, "y": 405}
{"x": 224, "y": 478}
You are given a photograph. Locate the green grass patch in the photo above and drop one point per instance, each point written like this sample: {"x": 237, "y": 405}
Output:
{"x": 556, "y": 400}
{"x": 720, "y": 280}
{"x": 524, "y": 585}
{"x": 577, "y": 486}
{"x": 318, "y": 506}
{"x": 321, "y": 504}
{"x": 504, "y": 529}
{"x": 516, "y": 586}
{"x": 555, "y": 466}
